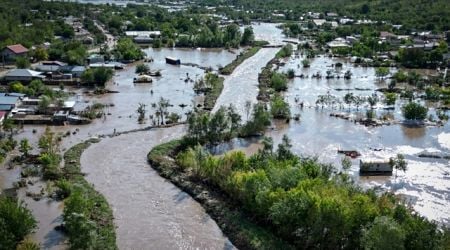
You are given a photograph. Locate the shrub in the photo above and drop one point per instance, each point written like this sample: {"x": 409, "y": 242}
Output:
{"x": 414, "y": 111}
{"x": 16, "y": 221}
{"x": 278, "y": 82}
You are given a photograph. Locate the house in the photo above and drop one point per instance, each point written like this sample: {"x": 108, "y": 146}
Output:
{"x": 319, "y": 22}
{"x": 11, "y": 52}
{"x": 23, "y": 75}
{"x": 152, "y": 34}
{"x": 53, "y": 63}
{"x": 7, "y": 103}
{"x": 375, "y": 166}
{"x": 96, "y": 58}
{"x": 332, "y": 14}
{"x": 389, "y": 37}
{"x": 338, "y": 43}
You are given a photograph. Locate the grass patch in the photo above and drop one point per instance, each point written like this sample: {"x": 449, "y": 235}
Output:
{"x": 87, "y": 215}
{"x": 238, "y": 227}
{"x": 227, "y": 70}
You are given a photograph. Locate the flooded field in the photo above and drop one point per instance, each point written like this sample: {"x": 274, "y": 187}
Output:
{"x": 150, "y": 212}
{"x": 426, "y": 182}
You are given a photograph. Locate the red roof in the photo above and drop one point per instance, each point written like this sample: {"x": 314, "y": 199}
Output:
{"x": 17, "y": 48}
{"x": 2, "y": 114}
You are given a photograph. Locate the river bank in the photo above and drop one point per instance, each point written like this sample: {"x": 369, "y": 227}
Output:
{"x": 237, "y": 225}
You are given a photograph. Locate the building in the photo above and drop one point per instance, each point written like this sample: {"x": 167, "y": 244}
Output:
{"x": 153, "y": 34}
{"x": 96, "y": 58}
{"x": 7, "y": 103}
{"x": 319, "y": 22}
{"x": 375, "y": 166}
{"x": 3, "y": 116}
{"x": 338, "y": 43}
{"x": 23, "y": 75}
{"x": 53, "y": 63}
{"x": 11, "y": 52}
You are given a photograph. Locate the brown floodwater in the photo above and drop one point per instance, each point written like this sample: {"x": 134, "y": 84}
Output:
{"x": 122, "y": 117}
{"x": 150, "y": 212}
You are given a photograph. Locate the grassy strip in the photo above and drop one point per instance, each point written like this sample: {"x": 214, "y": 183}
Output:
{"x": 87, "y": 215}
{"x": 227, "y": 70}
{"x": 264, "y": 81}
{"x": 212, "y": 95}
{"x": 242, "y": 232}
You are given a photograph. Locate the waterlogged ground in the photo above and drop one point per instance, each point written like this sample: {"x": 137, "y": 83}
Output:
{"x": 425, "y": 184}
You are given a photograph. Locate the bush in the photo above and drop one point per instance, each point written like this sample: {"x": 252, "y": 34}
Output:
{"x": 142, "y": 68}
{"x": 278, "y": 82}
{"x": 286, "y": 51}
{"x": 414, "y": 111}
{"x": 16, "y": 221}
{"x": 279, "y": 108}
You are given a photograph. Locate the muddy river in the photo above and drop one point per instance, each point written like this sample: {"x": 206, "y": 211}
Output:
{"x": 150, "y": 213}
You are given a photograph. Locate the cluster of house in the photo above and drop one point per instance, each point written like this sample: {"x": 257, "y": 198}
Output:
{"x": 425, "y": 40}
{"x": 50, "y": 72}
{"x": 81, "y": 34}
{"x": 23, "y": 109}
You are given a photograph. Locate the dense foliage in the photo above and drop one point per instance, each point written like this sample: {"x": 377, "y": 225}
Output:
{"x": 16, "y": 221}
{"x": 307, "y": 204}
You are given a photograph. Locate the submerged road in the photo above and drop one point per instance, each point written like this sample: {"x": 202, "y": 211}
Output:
{"x": 149, "y": 212}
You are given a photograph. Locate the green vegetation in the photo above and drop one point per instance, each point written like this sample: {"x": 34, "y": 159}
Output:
{"x": 16, "y": 221}
{"x": 299, "y": 200}
{"x": 286, "y": 51}
{"x": 414, "y": 111}
{"x": 128, "y": 51}
{"x": 390, "y": 98}
{"x": 87, "y": 215}
{"x": 279, "y": 107}
{"x": 142, "y": 68}
{"x": 278, "y": 81}
{"x": 228, "y": 69}
{"x": 234, "y": 223}
{"x": 97, "y": 76}
{"x": 211, "y": 85}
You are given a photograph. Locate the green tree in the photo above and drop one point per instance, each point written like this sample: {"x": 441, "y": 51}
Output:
{"x": 25, "y": 147}
{"x": 390, "y": 98}
{"x": 384, "y": 233}
{"x": 278, "y": 81}
{"x": 414, "y": 111}
{"x": 16, "y": 221}
{"x": 382, "y": 72}
{"x": 279, "y": 108}
{"x": 40, "y": 54}
{"x": 248, "y": 37}
{"x": 22, "y": 62}
{"x": 142, "y": 68}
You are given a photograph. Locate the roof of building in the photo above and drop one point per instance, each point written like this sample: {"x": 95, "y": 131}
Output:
{"x": 17, "y": 48}
{"x": 3, "y": 114}
{"x": 58, "y": 63}
{"x": 143, "y": 33}
{"x": 319, "y": 22}
{"x": 78, "y": 69}
{"x": 8, "y": 100}
{"x": 23, "y": 73}
{"x": 48, "y": 68}
{"x": 14, "y": 94}
{"x": 5, "y": 107}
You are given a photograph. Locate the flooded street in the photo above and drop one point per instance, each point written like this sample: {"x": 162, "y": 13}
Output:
{"x": 150, "y": 212}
